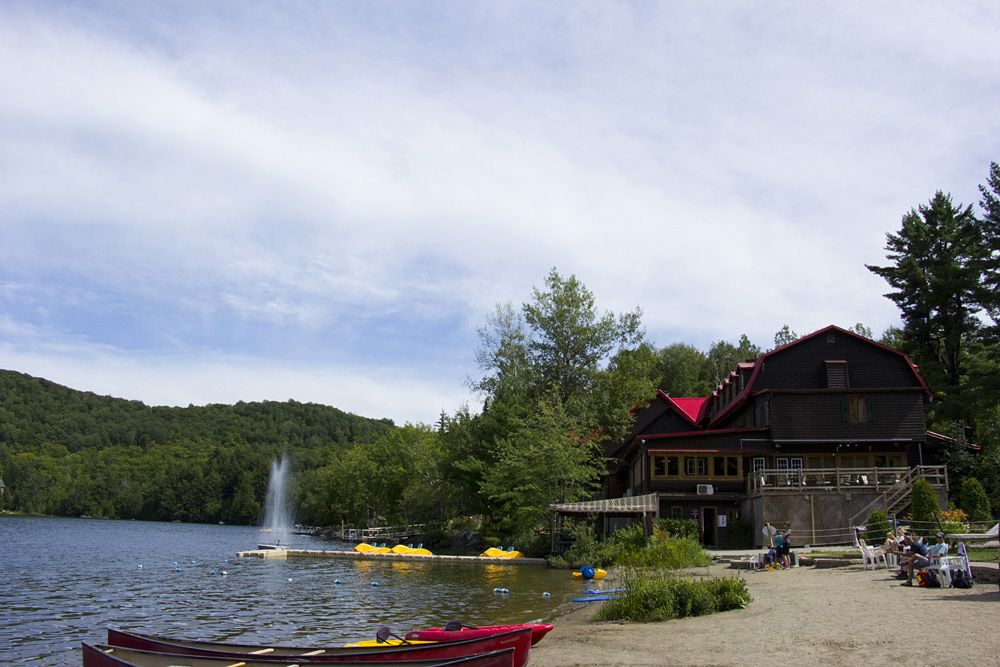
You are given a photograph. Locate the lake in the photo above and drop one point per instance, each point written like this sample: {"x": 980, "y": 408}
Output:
{"x": 67, "y": 580}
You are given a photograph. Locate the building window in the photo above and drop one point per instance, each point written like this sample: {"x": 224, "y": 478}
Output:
{"x": 858, "y": 409}
{"x": 673, "y": 466}
{"x": 676, "y": 512}
{"x": 696, "y": 466}
{"x": 665, "y": 466}
{"x": 725, "y": 466}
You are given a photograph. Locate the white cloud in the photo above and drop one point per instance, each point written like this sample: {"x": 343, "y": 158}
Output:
{"x": 256, "y": 179}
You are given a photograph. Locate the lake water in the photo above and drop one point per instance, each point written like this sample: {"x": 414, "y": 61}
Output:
{"x": 67, "y": 580}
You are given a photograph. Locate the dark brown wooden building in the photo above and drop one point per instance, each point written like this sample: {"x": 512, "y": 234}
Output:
{"x": 819, "y": 432}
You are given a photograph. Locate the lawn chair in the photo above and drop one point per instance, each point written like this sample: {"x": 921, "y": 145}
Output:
{"x": 871, "y": 554}
{"x": 948, "y": 565}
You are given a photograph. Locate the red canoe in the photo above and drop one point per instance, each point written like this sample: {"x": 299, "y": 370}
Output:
{"x": 447, "y": 634}
{"x": 117, "y": 656}
{"x": 519, "y": 640}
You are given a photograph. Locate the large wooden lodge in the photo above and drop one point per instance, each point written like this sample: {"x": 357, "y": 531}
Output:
{"x": 819, "y": 432}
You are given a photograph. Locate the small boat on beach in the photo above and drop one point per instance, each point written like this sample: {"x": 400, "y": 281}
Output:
{"x": 519, "y": 640}
{"x": 102, "y": 655}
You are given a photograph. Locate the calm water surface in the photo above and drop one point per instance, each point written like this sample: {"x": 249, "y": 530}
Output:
{"x": 67, "y": 580}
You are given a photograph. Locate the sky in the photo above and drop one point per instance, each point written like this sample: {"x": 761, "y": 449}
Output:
{"x": 207, "y": 201}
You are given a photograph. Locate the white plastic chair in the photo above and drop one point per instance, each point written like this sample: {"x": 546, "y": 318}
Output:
{"x": 871, "y": 554}
{"x": 950, "y": 564}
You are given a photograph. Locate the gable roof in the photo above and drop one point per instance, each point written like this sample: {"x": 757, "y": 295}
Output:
{"x": 759, "y": 364}
{"x": 689, "y": 407}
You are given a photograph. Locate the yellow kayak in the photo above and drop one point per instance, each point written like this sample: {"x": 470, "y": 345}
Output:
{"x": 493, "y": 552}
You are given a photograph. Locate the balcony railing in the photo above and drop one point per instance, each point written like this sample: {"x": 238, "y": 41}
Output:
{"x": 845, "y": 479}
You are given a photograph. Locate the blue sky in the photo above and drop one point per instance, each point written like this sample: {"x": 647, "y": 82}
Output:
{"x": 212, "y": 201}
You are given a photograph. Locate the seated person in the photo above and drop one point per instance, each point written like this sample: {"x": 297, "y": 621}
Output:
{"x": 920, "y": 556}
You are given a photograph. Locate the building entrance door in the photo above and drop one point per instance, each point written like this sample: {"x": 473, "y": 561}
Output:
{"x": 708, "y": 528}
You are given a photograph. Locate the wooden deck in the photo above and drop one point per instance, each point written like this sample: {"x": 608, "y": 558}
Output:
{"x": 360, "y": 555}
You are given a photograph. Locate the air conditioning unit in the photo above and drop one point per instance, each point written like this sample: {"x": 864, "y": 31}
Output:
{"x": 705, "y": 489}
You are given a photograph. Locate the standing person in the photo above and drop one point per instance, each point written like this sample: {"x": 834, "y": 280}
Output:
{"x": 786, "y": 545}
{"x": 778, "y": 544}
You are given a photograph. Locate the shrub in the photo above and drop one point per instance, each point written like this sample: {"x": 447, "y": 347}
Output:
{"x": 973, "y": 499}
{"x": 923, "y": 507}
{"x": 666, "y": 552}
{"x": 586, "y": 549}
{"x": 680, "y": 528}
{"x": 657, "y": 595}
{"x": 878, "y": 525}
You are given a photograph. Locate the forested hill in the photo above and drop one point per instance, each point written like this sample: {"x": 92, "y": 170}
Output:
{"x": 72, "y": 453}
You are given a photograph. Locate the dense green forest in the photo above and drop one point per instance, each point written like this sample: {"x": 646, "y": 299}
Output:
{"x": 72, "y": 453}
{"x": 558, "y": 378}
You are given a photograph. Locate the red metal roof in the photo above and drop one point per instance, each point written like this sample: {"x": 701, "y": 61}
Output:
{"x": 691, "y": 407}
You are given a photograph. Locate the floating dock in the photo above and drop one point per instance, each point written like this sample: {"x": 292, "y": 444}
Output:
{"x": 365, "y": 555}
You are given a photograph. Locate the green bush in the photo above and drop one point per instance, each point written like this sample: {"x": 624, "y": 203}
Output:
{"x": 666, "y": 552}
{"x": 973, "y": 499}
{"x": 586, "y": 548}
{"x": 658, "y": 595}
{"x": 685, "y": 528}
{"x": 923, "y": 507}
{"x": 878, "y": 526}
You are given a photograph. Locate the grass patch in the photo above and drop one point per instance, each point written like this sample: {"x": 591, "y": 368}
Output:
{"x": 660, "y": 595}
{"x": 982, "y": 555}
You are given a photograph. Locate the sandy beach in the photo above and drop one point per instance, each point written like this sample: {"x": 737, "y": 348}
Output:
{"x": 803, "y": 616}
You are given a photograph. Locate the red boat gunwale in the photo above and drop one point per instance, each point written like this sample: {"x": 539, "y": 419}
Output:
{"x": 538, "y": 630}
{"x": 98, "y": 656}
{"x": 519, "y": 640}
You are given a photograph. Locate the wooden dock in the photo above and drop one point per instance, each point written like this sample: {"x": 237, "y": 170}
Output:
{"x": 364, "y": 555}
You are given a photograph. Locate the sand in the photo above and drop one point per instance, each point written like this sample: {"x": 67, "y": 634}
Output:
{"x": 803, "y": 616}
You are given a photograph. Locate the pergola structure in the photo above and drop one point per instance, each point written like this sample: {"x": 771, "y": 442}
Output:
{"x": 645, "y": 507}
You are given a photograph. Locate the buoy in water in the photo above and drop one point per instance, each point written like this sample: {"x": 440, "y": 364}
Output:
{"x": 140, "y": 566}
{"x": 545, "y": 595}
{"x": 337, "y": 581}
{"x": 374, "y": 583}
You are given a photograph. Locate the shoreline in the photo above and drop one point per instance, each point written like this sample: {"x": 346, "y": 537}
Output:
{"x": 838, "y": 616}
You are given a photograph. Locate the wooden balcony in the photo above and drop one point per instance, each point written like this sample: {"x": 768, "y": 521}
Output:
{"x": 844, "y": 480}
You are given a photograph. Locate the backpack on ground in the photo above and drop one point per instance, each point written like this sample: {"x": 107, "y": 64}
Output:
{"x": 928, "y": 579}
{"x": 961, "y": 579}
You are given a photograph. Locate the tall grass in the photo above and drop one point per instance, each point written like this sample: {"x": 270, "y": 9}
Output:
{"x": 670, "y": 546}
{"x": 660, "y": 595}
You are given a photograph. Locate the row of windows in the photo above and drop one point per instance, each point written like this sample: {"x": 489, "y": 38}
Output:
{"x": 680, "y": 466}
{"x": 669, "y": 465}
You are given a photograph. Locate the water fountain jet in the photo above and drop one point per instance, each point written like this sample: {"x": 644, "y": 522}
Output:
{"x": 277, "y": 509}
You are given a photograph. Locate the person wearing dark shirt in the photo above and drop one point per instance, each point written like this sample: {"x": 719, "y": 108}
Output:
{"x": 916, "y": 551}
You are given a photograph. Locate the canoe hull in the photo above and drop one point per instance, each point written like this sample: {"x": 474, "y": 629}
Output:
{"x": 519, "y": 640}
{"x": 116, "y": 656}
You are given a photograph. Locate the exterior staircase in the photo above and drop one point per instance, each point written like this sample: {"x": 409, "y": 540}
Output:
{"x": 895, "y": 498}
